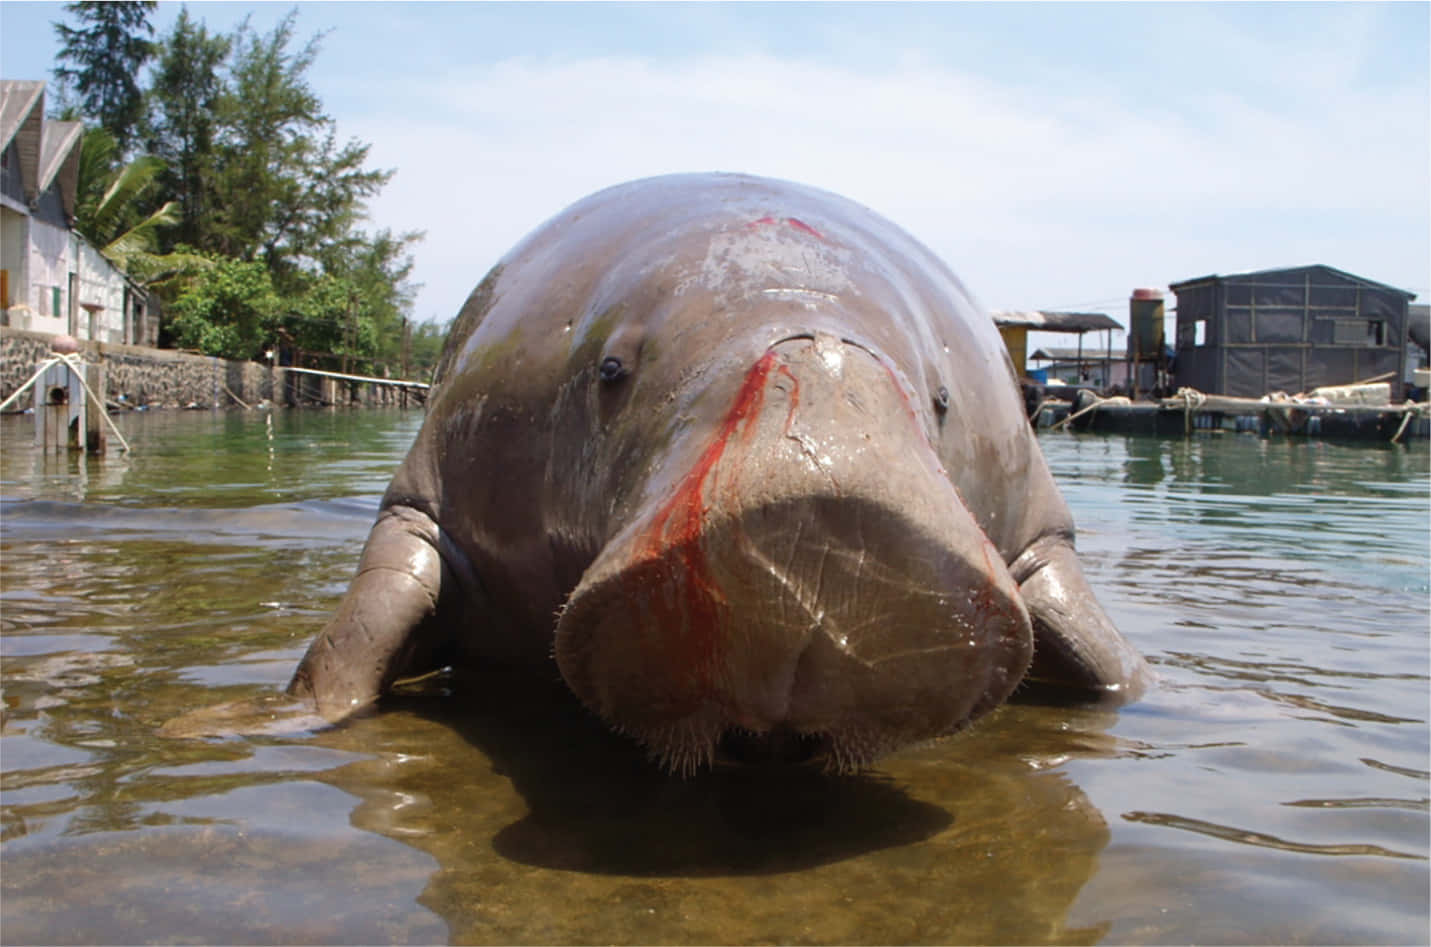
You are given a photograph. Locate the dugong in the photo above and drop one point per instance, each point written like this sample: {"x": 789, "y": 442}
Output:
{"x": 743, "y": 461}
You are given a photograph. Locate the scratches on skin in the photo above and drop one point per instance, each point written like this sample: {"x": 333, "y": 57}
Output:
{"x": 367, "y": 632}
{"x": 820, "y": 576}
{"x": 787, "y": 577}
{"x": 431, "y": 595}
{"x": 810, "y": 297}
{"x": 795, "y": 546}
{"x": 808, "y": 445}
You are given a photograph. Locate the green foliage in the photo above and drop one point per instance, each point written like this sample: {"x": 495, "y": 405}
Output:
{"x": 183, "y": 120}
{"x": 269, "y": 116}
{"x": 228, "y": 310}
{"x": 245, "y": 174}
{"x": 355, "y": 308}
{"x": 425, "y": 347}
{"x": 110, "y": 210}
{"x": 105, "y": 56}
{"x": 109, "y": 215}
{"x": 283, "y": 188}
{"x": 99, "y": 156}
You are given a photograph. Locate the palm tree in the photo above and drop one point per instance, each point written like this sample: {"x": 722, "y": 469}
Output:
{"x": 109, "y": 208}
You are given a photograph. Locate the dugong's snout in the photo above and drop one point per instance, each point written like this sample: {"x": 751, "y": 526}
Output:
{"x": 807, "y": 577}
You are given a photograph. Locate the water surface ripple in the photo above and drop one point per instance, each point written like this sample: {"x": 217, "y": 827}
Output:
{"x": 1272, "y": 789}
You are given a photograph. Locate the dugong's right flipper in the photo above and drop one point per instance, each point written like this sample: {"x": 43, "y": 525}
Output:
{"x": 1076, "y": 647}
{"x": 388, "y": 624}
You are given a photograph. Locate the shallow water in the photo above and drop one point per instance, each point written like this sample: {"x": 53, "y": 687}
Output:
{"x": 1272, "y": 788}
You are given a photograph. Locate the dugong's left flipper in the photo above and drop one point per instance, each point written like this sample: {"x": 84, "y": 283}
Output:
{"x": 1076, "y": 646}
{"x": 388, "y": 624}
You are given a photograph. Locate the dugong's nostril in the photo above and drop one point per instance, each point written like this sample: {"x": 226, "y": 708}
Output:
{"x": 612, "y": 369}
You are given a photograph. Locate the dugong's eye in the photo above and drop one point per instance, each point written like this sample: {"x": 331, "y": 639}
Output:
{"x": 612, "y": 369}
{"x": 941, "y": 399}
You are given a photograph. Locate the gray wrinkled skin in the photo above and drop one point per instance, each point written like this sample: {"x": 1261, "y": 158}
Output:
{"x": 745, "y": 459}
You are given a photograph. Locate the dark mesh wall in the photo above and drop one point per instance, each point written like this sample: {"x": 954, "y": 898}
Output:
{"x": 1288, "y": 330}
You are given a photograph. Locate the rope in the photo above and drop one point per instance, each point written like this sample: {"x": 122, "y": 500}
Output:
{"x": 246, "y": 405}
{"x": 1408, "y": 410}
{"x": 76, "y": 365}
{"x": 372, "y": 379}
{"x": 1192, "y": 400}
{"x": 44, "y": 367}
{"x": 1192, "y": 395}
{"x": 1041, "y": 405}
{"x": 1097, "y": 403}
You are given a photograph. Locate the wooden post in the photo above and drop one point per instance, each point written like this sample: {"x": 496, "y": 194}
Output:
{"x": 94, "y": 431}
{"x": 407, "y": 356}
{"x": 59, "y": 409}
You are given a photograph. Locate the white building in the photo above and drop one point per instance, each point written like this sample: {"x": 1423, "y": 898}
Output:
{"x": 51, "y": 279}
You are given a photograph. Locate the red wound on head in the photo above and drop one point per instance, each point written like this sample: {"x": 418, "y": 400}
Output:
{"x": 801, "y": 225}
{"x": 687, "y": 622}
{"x": 792, "y": 222}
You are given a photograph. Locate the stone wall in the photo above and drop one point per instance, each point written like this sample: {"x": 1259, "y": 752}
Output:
{"x": 138, "y": 376}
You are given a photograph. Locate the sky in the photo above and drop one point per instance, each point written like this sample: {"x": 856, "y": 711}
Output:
{"x": 1055, "y": 155}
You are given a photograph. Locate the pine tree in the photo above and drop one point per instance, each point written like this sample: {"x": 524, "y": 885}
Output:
{"x": 188, "y": 87}
{"x": 104, "y": 58}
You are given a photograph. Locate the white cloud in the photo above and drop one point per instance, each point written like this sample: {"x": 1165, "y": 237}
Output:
{"x": 1035, "y": 197}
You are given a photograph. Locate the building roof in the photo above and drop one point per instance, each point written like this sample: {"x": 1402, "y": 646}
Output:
{"x": 22, "y": 118}
{"x": 1045, "y": 321}
{"x": 1253, "y": 274}
{"x": 1056, "y": 354}
{"x": 48, "y": 151}
{"x": 18, "y": 99}
{"x": 59, "y": 160}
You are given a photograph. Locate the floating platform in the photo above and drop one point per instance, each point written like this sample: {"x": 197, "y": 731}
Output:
{"x": 1181, "y": 416}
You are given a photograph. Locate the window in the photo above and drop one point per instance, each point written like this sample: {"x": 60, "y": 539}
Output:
{"x": 1200, "y": 333}
{"x": 1370, "y": 333}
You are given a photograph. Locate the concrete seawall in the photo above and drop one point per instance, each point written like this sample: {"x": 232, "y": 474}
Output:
{"x": 138, "y": 376}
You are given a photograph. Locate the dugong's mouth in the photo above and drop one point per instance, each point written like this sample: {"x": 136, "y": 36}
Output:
{"x": 780, "y": 744}
{"x": 813, "y": 588}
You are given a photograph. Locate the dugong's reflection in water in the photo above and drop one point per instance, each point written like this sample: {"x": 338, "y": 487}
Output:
{"x": 521, "y": 819}
{"x": 549, "y": 829}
